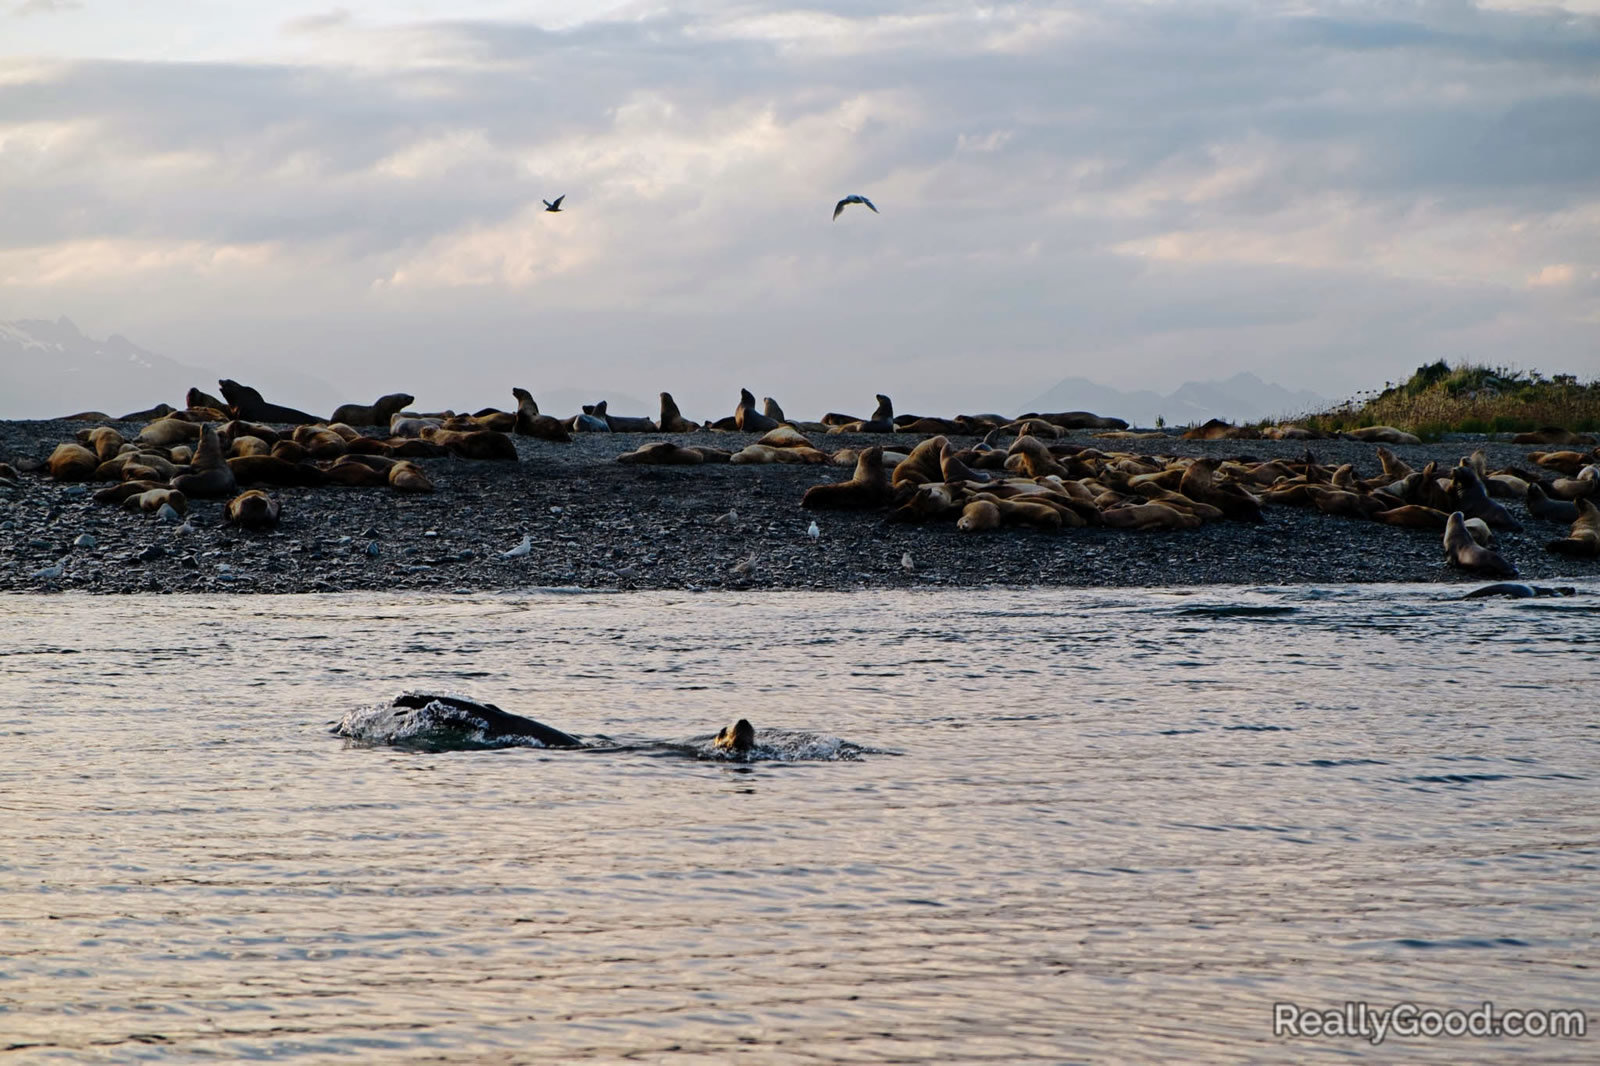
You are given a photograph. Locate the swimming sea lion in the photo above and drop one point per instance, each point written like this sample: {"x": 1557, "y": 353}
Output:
{"x": 738, "y": 737}
{"x": 247, "y": 403}
{"x": 377, "y": 413}
{"x": 253, "y": 509}
{"x": 1467, "y": 554}
{"x": 1519, "y": 591}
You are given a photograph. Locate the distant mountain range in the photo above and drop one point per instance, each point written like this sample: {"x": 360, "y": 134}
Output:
{"x": 50, "y": 369}
{"x": 1243, "y": 397}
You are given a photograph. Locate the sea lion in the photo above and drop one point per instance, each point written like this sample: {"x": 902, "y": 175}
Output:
{"x": 406, "y": 476}
{"x": 149, "y": 414}
{"x": 587, "y": 423}
{"x": 1472, "y": 499}
{"x": 1148, "y": 516}
{"x": 738, "y": 737}
{"x": 868, "y": 490}
{"x": 1541, "y": 506}
{"x": 72, "y": 462}
{"x": 1584, "y": 540}
{"x": 748, "y": 419}
{"x": 1383, "y": 435}
{"x": 103, "y": 440}
{"x": 1082, "y": 420}
{"x": 1466, "y": 553}
{"x": 923, "y": 463}
{"x": 1563, "y": 462}
{"x": 200, "y": 398}
{"x": 123, "y": 491}
{"x": 377, "y": 413}
{"x": 979, "y": 515}
{"x": 1234, "y": 501}
{"x": 672, "y": 421}
{"x": 168, "y": 431}
{"x": 253, "y": 509}
{"x": 663, "y": 453}
{"x": 273, "y": 470}
{"x": 1413, "y": 516}
{"x": 770, "y": 408}
{"x": 245, "y": 402}
{"x": 1552, "y": 435}
{"x": 210, "y": 475}
{"x": 474, "y": 444}
{"x": 530, "y": 423}
{"x": 1518, "y": 591}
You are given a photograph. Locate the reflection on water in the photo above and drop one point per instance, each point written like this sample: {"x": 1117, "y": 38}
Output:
{"x": 1081, "y": 826}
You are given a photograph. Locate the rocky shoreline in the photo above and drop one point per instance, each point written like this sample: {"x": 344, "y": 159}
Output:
{"x": 594, "y": 523}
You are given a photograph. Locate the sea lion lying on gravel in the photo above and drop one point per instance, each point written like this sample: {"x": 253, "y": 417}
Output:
{"x": 1584, "y": 540}
{"x": 377, "y": 413}
{"x": 1466, "y": 553}
{"x": 249, "y": 404}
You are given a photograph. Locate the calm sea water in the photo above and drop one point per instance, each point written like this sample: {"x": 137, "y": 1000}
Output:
{"x": 1096, "y": 826}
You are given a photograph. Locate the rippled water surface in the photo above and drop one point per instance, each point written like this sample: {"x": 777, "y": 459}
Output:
{"x": 1095, "y": 826}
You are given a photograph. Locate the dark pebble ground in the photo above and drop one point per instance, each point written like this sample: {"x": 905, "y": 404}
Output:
{"x": 599, "y": 524}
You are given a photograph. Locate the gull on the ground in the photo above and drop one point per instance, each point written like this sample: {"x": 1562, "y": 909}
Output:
{"x": 521, "y": 549}
{"x": 169, "y": 514}
{"x": 852, "y": 199}
{"x": 50, "y": 573}
{"x": 746, "y": 565}
{"x": 813, "y": 531}
{"x": 556, "y": 204}
{"x": 906, "y": 564}
{"x": 729, "y": 519}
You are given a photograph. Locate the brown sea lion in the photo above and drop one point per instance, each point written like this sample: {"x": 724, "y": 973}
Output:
{"x": 1383, "y": 435}
{"x": 747, "y": 418}
{"x": 118, "y": 493}
{"x": 622, "y": 423}
{"x": 1467, "y": 554}
{"x": 151, "y": 501}
{"x": 377, "y": 413}
{"x": 477, "y": 444}
{"x": 738, "y": 737}
{"x": 253, "y": 509}
{"x": 1234, "y": 501}
{"x": 530, "y": 423}
{"x": 951, "y": 468}
{"x": 1563, "y": 462}
{"x": 350, "y": 470}
{"x": 1148, "y": 516}
{"x": 1541, "y": 506}
{"x": 245, "y": 402}
{"x": 979, "y": 515}
{"x": 149, "y": 414}
{"x": 663, "y": 453}
{"x": 1413, "y": 516}
{"x": 1217, "y": 429}
{"x": 201, "y": 398}
{"x": 210, "y": 475}
{"x": 72, "y": 462}
{"x": 1583, "y": 542}
{"x": 406, "y": 476}
{"x": 89, "y": 416}
{"x": 922, "y": 464}
{"x": 770, "y": 408}
{"x": 273, "y": 470}
{"x": 1552, "y": 435}
{"x": 672, "y": 420}
{"x": 1082, "y": 420}
{"x": 168, "y": 431}
{"x": 868, "y": 490}
{"x": 105, "y": 441}
{"x": 248, "y": 446}
{"x": 1472, "y": 499}
{"x": 932, "y": 499}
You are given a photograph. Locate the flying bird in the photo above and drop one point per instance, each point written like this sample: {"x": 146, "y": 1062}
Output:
{"x": 556, "y": 206}
{"x": 852, "y": 199}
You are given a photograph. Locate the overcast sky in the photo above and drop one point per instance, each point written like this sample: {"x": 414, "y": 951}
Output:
{"x": 1325, "y": 193}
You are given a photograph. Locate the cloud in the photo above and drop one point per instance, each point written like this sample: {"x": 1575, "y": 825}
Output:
{"x": 1310, "y": 190}
{"x": 45, "y": 7}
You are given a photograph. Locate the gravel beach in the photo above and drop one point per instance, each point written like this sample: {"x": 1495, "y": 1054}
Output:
{"x": 598, "y": 524}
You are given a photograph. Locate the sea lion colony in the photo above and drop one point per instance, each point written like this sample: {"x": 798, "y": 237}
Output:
{"x": 1020, "y": 473}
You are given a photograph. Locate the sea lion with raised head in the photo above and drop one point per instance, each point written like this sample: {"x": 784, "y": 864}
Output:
{"x": 868, "y": 490}
{"x": 1472, "y": 500}
{"x": 748, "y": 419}
{"x": 1462, "y": 551}
{"x": 1541, "y": 506}
{"x": 210, "y": 475}
{"x": 738, "y": 737}
{"x": 530, "y": 423}
{"x": 377, "y": 413}
{"x": 200, "y": 398}
{"x": 672, "y": 420}
{"x": 249, "y": 404}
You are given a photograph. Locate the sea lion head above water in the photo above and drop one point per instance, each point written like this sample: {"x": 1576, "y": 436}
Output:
{"x": 738, "y": 737}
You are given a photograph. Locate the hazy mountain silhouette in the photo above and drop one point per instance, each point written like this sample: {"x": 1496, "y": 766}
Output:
{"x": 49, "y": 369}
{"x": 1241, "y": 398}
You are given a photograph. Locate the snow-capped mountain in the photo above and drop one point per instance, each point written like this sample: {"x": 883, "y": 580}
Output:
{"x": 50, "y": 369}
{"x": 1241, "y": 398}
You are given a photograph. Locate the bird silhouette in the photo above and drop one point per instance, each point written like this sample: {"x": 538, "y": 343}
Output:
{"x": 852, "y": 199}
{"x": 556, "y": 206}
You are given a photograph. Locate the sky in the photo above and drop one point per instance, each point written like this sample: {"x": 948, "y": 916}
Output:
{"x": 1326, "y": 193}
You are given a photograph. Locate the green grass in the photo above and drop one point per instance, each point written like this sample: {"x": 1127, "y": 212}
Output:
{"x": 1440, "y": 399}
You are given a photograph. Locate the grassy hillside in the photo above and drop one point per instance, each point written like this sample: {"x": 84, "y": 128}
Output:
{"x": 1442, "y": 399}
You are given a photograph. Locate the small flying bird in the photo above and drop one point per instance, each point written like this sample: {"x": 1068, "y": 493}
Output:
{"x": 905, "y": 562}
{"x": 852, "y": 199}
{"x": 813, "y": 531}
{"x": 521, "y": 549}
{"x": 556, "y": 206}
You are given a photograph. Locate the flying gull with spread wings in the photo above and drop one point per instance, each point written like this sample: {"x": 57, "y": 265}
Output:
{"x": 852, "y": 199}
{"x": 556, "y": 205}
